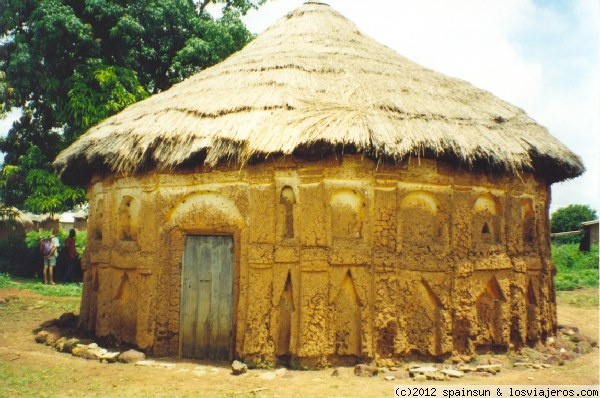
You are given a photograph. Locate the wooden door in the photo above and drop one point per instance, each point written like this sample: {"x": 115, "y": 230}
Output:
{"x": 206, "y": 324}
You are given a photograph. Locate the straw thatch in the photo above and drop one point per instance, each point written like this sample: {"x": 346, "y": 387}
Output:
{"x": 311, "y": 82}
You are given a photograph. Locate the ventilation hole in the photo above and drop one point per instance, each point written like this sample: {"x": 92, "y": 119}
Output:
{"x": 485, "y": 229}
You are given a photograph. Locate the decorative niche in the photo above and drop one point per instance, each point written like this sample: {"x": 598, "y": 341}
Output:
{"x": 347, "y": 215}
{"x": 287, "y": 203}
{"x": 420, "y": 222}
{"x": 98, "y": 220}
{"x": 528, "y": 224}
{"x": 128, "y": 219}
{"x": 486, "y": 221}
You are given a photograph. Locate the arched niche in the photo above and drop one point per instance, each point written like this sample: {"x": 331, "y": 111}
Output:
{"x": 347, "y": 320}
{"x": 486, "y": 221}
{"x": 98, "y": 219}
{"x": 534, "y": 329}
{"x": 287, "y": 200}
{"x": 285, "y": 310}
{"x": 420, "y": 220}
{"x": 426, "y": 320}
{"x": 490, "y": 320}
{"x": 207, "y": 211}
{"x": 528, "y": 223}
{"x": 124, "y": 304}
{"x": 127, "y": 215}
{"x": 347, "y": 214}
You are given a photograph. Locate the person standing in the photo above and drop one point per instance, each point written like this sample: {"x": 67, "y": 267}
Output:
{"x": 71, "y": 256}
{"x": 49, "y": 249}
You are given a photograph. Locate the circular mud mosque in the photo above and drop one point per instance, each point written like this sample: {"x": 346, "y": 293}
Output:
{"x": 317, "y": 198}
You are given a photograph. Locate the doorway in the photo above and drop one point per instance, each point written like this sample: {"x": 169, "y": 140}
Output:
{"x": 206, "y": 321}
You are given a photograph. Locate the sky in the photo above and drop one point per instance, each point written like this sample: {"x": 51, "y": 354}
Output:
{"x": 540, "y": 55}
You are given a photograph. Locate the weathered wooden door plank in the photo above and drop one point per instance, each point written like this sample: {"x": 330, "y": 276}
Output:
{"x": 207, "y": 297}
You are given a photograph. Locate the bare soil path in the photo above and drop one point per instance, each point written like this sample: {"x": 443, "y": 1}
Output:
{"x": 28, "y": 369}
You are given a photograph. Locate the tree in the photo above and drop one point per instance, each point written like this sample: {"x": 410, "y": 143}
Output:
{"x": 68, "y": 64}
{"x": 570, "y": 218}
{"x": 37, "y": 189}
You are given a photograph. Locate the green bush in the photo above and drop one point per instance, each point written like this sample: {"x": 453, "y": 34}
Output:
{"x": 575, "y": 268}
{"x": 20, "y": 255}
{"x": 17, "y": 259}
{"x": 5, "y": 280}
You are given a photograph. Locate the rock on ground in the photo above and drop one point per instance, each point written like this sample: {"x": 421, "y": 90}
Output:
{"x": 131, "y": 356}
{"x": 453, "y": 373}
{"x": 489, "y": 368}
{"x": 238, "y": 368}
{"x": 366, "y": 370}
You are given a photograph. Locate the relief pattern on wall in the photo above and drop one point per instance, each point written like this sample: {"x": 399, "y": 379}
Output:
{"x": 302, "y": 296}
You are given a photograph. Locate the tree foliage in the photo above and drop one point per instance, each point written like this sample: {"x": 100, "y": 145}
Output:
{"x": 570, "y": 218}
{"x": 35, "y": 188}
{"x": 99, "y": 91}
{"x": 68, "y": 64}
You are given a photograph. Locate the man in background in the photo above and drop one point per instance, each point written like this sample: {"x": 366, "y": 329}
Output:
{"x": 71, "y": 256}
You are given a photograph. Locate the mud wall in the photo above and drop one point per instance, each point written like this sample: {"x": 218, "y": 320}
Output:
{"x": 334, "y": 260}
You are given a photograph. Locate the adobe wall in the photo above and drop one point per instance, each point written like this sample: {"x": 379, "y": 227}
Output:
{"x": 334, "y": 260}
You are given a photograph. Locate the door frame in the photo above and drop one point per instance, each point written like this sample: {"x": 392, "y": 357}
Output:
{"x": 235, "y": 234}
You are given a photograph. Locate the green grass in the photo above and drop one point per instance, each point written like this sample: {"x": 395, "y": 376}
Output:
{"x": 58, "y": 290}
{"x": 575, "y": 269}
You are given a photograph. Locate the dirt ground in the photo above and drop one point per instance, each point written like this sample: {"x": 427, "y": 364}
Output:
{"x": 36, "y": 370}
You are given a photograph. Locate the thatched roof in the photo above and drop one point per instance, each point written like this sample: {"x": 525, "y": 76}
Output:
{"x": 310, "y": 84}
